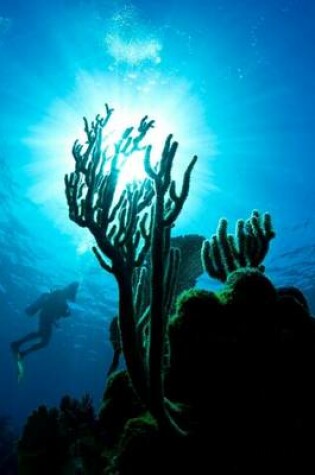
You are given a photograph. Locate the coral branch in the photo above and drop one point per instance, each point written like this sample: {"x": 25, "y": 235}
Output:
{"x": 224, "y": 253}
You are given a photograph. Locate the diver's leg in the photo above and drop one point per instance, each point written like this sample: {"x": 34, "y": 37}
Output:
{"x": 44, "y": 340}
{"x": 15, "y": 345}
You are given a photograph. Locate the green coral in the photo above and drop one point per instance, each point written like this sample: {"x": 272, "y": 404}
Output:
{"x": 248, "y": 286}
{"x": 43, "y": 447}
{"x": 125, "y": 229}
{"x": 225, "y": 253}
{"x": 119, "y": 404}
{"x": 139, "y": 446}
{"x": 60, "y": 440}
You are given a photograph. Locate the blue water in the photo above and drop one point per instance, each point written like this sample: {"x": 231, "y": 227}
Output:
{"x": 233, "y": 80}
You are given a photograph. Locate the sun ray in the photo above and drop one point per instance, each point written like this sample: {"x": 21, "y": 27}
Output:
{"x": 166, "y": 100}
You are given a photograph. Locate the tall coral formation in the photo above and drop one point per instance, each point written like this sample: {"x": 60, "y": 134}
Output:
{"x": 125, "y": 229}
{"x": 119, "y": 224}
{"x": 167, "y": 207}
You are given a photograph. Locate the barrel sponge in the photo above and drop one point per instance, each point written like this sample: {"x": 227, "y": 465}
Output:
{"x": 248, "y": 286}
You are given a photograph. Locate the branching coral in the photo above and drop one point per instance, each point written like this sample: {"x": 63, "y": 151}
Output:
{"x": 119, "y": 224}
{"x": 225, "y": 253}
{"x": 58, "y": 440}
{"x": 125, "y": 229}
{"x": 168, "y": 204}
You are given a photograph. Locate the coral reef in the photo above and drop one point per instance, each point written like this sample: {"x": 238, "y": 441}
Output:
{"x": 216, "y": 382}
{"x": 60, "y": 440}
{"x": 120, "y": 403}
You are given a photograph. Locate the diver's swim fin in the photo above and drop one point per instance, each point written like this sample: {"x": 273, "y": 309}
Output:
{"x": 19, "y": 363}
{"x": 20, "y": 367}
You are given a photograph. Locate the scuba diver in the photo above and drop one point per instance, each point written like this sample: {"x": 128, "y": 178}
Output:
{"x": 50, "y": 306}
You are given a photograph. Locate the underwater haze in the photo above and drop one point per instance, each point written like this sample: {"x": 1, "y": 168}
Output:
{"x": 233, "y": 80}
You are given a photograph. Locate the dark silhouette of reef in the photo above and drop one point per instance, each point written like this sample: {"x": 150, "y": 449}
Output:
{"x": 215, "y": 382}
{"x": 240, "y": 369}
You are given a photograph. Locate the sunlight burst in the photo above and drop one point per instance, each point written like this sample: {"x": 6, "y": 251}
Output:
{"x": 168, "y": 102}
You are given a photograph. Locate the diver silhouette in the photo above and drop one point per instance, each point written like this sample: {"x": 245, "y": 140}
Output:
{"x": 50, "y": 306}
